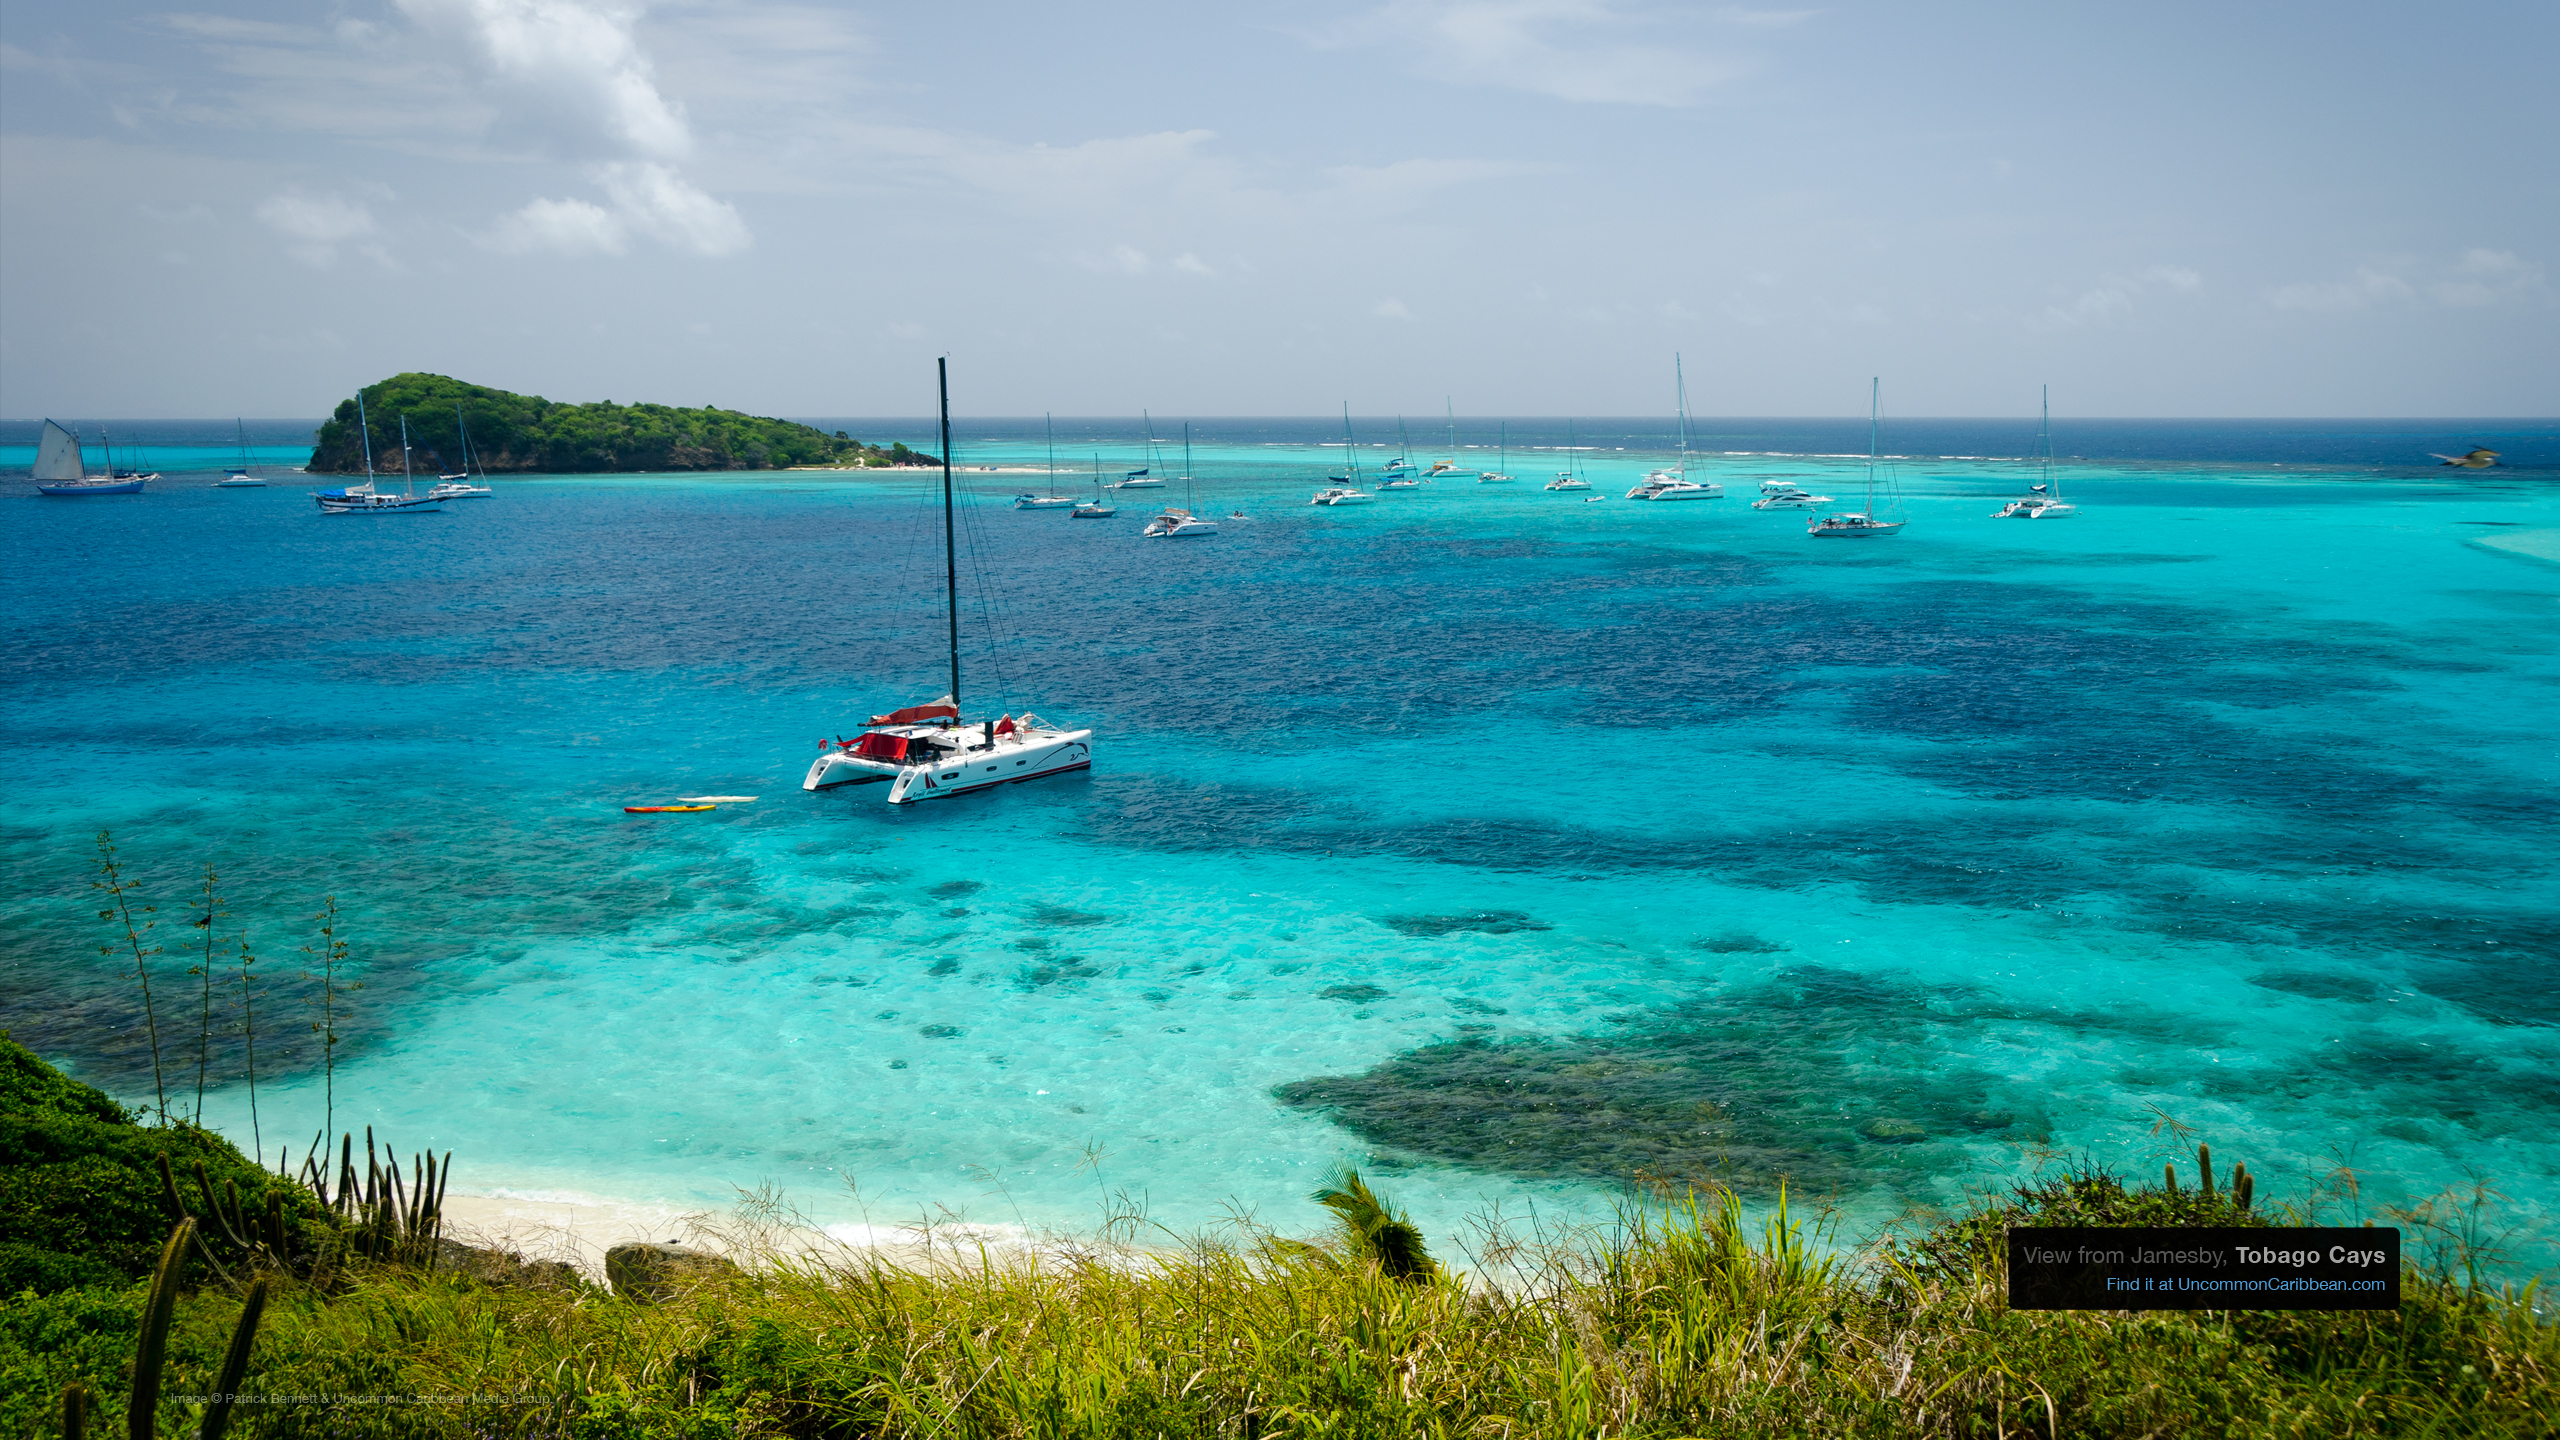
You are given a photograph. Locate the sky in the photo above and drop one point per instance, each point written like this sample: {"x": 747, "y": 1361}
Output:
{"x": 1508, "y": 206}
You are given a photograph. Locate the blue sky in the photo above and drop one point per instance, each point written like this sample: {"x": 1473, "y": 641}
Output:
{"x": 2272, "y": 209}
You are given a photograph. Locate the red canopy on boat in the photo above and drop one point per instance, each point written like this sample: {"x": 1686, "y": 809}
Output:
{"x": 941, "y": 709}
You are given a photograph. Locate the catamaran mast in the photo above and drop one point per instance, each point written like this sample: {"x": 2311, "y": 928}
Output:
{"x": 366, "y": 425}
{"x": 408, "y": 482}
{"x": 950, "y": 547}
{"x": 1680, "y": 383}
{"x": 1190, "y": 487}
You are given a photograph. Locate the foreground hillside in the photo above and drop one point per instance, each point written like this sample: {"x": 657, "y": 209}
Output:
{"x": 519, "y": 434}
{"x": 1687, "y": 1321}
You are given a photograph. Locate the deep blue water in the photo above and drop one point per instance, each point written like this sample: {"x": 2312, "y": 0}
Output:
{"x": 1503, "y": 842}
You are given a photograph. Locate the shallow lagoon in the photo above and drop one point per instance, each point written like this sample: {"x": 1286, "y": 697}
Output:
{"x": 1503, "y": 842}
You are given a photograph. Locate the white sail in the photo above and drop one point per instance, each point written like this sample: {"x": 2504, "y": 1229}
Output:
{"x": 58, "y": 455}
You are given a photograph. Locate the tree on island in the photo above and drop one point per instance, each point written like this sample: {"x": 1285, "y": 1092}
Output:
{"x": 520, "y": 434}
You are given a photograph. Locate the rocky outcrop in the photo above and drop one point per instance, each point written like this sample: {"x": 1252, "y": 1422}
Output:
{"x": 643, "y": 1272}
{"x": 505, "y": 1268}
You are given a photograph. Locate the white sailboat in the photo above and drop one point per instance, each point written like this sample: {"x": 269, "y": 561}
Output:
{"x": 1449, "y": 467}
{"x": 1092, "y": 509}
{"x": 1145, "y": 477}
{"x": 60, "y": 470}
{"x": 1857, "y": 525}
{"x": 368, "y": 499}
{"x": 459, "y": 487}
{"x": 1400, "y": 473}
{"x": 1674, "y": 483}
{"x": 1345, "y": 489}
{"x": 2041, "y": 502}
{"x": 1570, "y": 477}
{"x": 1500, "y": 474}
{"x": 926, "y": 752}
{"x": 238, "y": 476}
{"x": 1177, "y": 524}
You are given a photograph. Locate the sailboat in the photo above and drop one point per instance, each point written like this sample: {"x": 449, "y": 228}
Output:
{"x": 1345, "y": 489}
{"x": 1566, "y": 478}
{"x": 459, "y": 487}
{"x": 1092, "y": 509}
{"x": 1674, "y": 483}
{"x": 60, "y": 470}
{"x": 1500, "y": 473}
{"x": 365, "y": 499}
{"x": 1400, "y": 473}
{"x": 1176, "y": 524}
{"x": 238, "y": 476}
{"x": 1145, "y": 477}
{"x": 925, "y": 752}
{"x": 1860, "y": 525}
{"x": 2041, "y": 502}
{"x": 1450, "y": 466}
{"x": 112, "y": 472}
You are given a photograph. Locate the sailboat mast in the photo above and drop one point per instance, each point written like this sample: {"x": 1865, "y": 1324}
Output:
{"x": 1190, "y": 487}
{"x": 408, "y": 482}
{"x": 1875, "y": 395}
{"x": 366, "y": 425}
{"x": 1051, "y": 426}
{"x": 950, "y": 546}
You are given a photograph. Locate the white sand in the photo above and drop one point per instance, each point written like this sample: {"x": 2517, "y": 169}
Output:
{"x": 2532, "y": 544}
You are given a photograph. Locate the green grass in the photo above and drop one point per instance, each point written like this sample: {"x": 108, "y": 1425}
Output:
{"x": 1692, "y": 1318}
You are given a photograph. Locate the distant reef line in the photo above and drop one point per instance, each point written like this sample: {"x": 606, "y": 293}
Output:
{"x": 511, "y": 434}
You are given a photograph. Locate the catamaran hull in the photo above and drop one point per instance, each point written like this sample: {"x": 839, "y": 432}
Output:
{"x": 961, "y": 774}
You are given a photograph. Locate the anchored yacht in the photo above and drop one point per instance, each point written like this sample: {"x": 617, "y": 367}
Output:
{"x": 925, "y": 752}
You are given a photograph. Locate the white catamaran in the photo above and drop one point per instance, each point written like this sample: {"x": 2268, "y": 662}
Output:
{"x": 2041, "y": 502}
{"x": 927, "y": 752}
{"x": 60, "y": 470}
{"x": 238, "y": 476}
{"x": 1180, "y": 522}
{"x": 1674, "y": 483}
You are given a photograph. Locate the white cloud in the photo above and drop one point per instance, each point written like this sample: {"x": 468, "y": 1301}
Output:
{"x": 2116, "y": 295}
{"x": 315, "y": 226}
{"x": 1391, "y": 309}
{"x": 662, "y": 203}
{"x": 561, "y": 227}
{"x": 2476, "y": 279}
{"x": 1592, "y": 51}
{"x": 1190, "y": 264}
{"x": 571, "y": 65}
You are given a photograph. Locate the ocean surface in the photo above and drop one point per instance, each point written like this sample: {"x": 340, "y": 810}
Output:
{"x": 1509, "y": 846}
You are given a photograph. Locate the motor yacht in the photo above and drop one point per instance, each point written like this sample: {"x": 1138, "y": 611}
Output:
{"x": 1342, "y": 495}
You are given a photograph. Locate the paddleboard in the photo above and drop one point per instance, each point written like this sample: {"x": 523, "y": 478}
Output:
{"x": 662, "y": 809}
{"x": 715, "y": 799}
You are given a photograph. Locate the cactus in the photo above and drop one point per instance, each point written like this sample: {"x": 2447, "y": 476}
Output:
{"x": 151, "y": 1350}
{"x": 235, "y": 1364}
{"x": 2243, "y": 1186}
{"x": 2204, "y": 1167}
{"x": 2169, "y": 1178}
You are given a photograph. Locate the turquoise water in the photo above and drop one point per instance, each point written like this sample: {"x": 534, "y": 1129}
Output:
{"x": 1502, "y": 843}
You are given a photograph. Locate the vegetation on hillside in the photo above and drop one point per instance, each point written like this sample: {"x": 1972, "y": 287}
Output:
{"x": 518, "y": 434}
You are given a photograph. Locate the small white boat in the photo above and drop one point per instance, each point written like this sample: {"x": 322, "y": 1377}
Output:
{"x": 1787, "y": 495}
{"x": 458, "y": 487}
{"x": 1138, "y": 480}
{"x": 238, "y": 477}
{"x": 1443, "y": 469}
{"x": 1029, "y": 501}
{"x": 1342, "y": 495}
{"x": 1567, "y": 480}
{"x": 1499, "y": 474}
{"x": 1092, "y": 510}
{"x": 2041, "y": 502}
{"x": 1860, "y": 525}
{"x": 60, "y": 468}
{"x": 1144, "y": 477}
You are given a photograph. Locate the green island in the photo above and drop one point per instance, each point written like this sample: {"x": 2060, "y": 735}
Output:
{"x": 526, "y": 434}
{"x": 210, "y": 1296}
